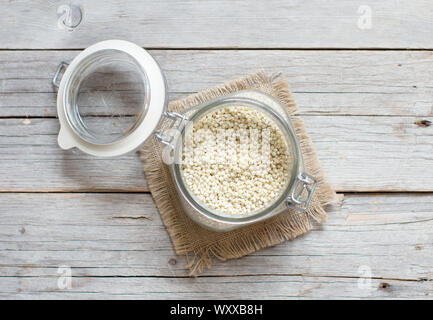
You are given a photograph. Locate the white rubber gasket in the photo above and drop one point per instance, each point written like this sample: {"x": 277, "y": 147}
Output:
{"x": 68, "y": 138}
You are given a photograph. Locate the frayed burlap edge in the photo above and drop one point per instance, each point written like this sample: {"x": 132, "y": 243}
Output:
{"x": 201, "y": 245}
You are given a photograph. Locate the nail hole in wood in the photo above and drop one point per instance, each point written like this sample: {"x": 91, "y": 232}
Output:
{"x": 384, "y": 285}
{"x": 423, "y": 123}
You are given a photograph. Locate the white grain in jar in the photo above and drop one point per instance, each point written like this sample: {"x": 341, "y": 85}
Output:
{"x": 234, "y": 181}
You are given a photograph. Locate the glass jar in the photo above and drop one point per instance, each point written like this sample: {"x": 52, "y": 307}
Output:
{"x": 299, "y": 186}
{"x": 148, "y": 114}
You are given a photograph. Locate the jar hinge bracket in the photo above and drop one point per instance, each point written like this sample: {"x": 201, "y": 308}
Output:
{"x": 299, "y": 198}
{"x": 166, "y": 138}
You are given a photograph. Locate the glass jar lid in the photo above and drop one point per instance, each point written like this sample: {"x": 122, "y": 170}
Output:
{"x": 111, "y": 99}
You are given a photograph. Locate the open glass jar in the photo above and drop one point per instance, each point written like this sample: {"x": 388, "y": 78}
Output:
{"x": 145, "y": 104}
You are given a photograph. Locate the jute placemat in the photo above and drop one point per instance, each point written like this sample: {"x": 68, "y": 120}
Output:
{"x": 201, "y": 245}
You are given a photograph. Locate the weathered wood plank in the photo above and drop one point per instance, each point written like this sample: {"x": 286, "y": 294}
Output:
{"x": 221, "y": 24}
{"x": 117, "y": 235}
{"x": 267, "y": 287}
{"x": 116, "y": 244}
{"x": 362, "y": 153}
{"x": 324, "y": 82}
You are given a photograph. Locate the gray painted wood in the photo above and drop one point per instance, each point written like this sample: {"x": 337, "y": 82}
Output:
{"x": 362, "y": 153}
{"x": 251, "y": 287}
{"x": 116, "y": 243}
{"x": 361, "y": 108}
{"x": 235, "y": 24}
{"x": 334, "y": 87}
{"x": 395, "y": 83}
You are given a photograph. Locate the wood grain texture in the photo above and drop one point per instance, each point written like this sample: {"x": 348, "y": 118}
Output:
{"x": 336, "y": 90}
{"x": 266, "y": 287}
{"x": 117, "y": 245}
{"x": 362, "y": 153}
{"x": 220, "y": 24}
{"x": 367, "y": 112}
{"x": 395, "y": 83}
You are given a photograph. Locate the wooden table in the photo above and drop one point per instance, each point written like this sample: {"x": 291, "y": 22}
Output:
{"x": 365, "y": 90}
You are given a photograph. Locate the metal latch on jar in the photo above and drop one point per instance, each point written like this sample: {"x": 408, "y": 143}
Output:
{"x": 297, "y": 199}
{"x": 56, "y": 81}
{"x": 165, "y": 137}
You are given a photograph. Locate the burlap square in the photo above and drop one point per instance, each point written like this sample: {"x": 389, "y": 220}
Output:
{"x": 201, "y": 245}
